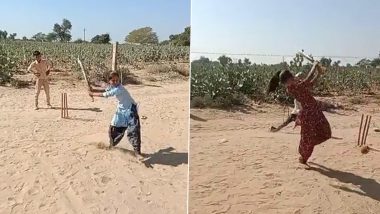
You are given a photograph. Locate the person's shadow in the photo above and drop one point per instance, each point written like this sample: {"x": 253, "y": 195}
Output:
{"x": 78, "y": 109}
{"x": 197, "y": 118}
{"x": 165, "y": 157}
{"x": 369, "y": 186}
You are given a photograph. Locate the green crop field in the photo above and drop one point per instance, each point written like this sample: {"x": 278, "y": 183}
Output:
{"x": 17, "y": 55}
{"x": 222, "y": 85}
{"x": 65, "y": 54}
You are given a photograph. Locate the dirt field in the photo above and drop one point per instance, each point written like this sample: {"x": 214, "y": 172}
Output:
{"x": 238, "y": 166}
{"x": 53, "y": 165}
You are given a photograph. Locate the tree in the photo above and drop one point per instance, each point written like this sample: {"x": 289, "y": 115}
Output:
{"x": 41, "y": 37}
{"x": 24, "y": 38}
{"x": 143, "y": 35}
{"x": 202, "y": 60}
{"x": 182, "y": 39}
{"x": 63, "y": 31}
{"x": 51, "y": 37}
{"x": 375, "y": 62}
{"x": 3, "y": 34}
{"x": 247, "y": 61}
{"x": 348, "y": 65}
{"x": 224, "y": 60}
{"x": 326, "y": 62}
{"x": 336, "y": 63}
{"x": 101, "y": 39}
{"x": 79, "y": 41}
{"x": 12, "y": 36}
{"x": 364, "y": 63}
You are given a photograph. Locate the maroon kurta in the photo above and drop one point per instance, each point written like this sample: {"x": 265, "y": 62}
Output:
{"x": 315, "y": 128}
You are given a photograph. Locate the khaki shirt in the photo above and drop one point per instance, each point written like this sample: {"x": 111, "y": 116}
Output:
{"x": 40, "y": 68}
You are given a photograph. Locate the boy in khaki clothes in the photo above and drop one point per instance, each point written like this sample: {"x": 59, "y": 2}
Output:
{"x": 41, "y": 69}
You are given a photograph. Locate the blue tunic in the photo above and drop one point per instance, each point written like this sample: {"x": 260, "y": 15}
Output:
{"x": 125, "y": 102}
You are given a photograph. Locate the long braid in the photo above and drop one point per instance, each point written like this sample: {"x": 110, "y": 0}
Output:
{"x": 274, "y": 82}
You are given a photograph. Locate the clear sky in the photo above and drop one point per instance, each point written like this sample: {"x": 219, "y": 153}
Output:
{"x": 322, "y": 28}
{"x": 116, "y": 17}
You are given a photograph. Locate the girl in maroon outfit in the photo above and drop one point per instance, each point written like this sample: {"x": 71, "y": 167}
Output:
{"x": 315, "y": 128}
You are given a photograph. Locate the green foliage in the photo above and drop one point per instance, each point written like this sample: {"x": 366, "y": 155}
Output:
{"x": 222, "y": 81}
{"x": 39, "y": 37}
{"x": 64, "y": 55}
{"x": 51, "y": 37}
{"x": 364, "y": 63}
{"x": 79, "y": 41}
{"x": 224, "y": 60}
{"x": 165, "y": 42}
{"x": 182, "y": 39}
{"x": 101, "y": 39}
{"x": 326, "y": 62}
{"x": 3, "y": 34}
{"x": 63, "y": 31}
{"x": 247, "y": 61}
{"x": 143, "y": 35}
{"x": 12, "y": 36}
{"x": 375, "y": 62}
{"x": 336, "y": 63}
{"x": 7, "y": 66}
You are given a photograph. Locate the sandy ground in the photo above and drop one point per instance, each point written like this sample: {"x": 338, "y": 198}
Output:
{"x": 53, "y": 165}
{"x": 238, "y": 166}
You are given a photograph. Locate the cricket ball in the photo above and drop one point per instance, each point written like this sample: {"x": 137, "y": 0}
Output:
{"x": 364, "y": 149}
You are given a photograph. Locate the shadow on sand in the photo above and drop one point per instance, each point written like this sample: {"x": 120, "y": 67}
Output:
{"x": 165, "y": 157}
{"x": 197, "y": 118}
{"x": 162, "y": 156}
{"x": 76, "y": 109}
{"x": 369, "y": 186}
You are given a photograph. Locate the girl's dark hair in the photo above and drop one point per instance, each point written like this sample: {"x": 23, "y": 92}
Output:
{"x": 274, "y": 82}
{"x": 280, "y": 76}
{"x": 113, "y": 73}
{"x": 285, "y": 75}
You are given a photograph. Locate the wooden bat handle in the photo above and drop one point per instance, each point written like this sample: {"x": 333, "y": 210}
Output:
{"x": 305, "y": 56}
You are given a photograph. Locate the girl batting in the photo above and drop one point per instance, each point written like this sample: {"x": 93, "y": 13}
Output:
{"x": 315, "y": 129}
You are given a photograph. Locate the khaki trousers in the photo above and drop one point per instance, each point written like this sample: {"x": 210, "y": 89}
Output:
{"x": 39, "y": 84}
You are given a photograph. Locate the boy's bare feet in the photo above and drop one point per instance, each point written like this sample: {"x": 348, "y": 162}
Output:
{"x": 138, "y": 154}
{"x": 49, "y": 106}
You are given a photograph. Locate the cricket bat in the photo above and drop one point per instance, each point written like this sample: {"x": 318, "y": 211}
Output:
{"x": 323, "y": 69}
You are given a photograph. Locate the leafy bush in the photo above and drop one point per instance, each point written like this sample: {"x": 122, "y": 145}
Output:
{"x": 7, "y": 66}
{"x": 218, "y": 83}
{"x": 64, "y": 55}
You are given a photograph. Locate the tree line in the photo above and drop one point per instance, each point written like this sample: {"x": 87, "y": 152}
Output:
{"x": 326, "y": 62}
{"x": 145, "y": 35}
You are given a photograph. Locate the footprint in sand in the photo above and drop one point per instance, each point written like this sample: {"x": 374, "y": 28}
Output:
{"x": 101, "y": 146}
{"x": 105, "y": 179}
{"x": 33, "y": 191}
{"x": 99, "y": 191}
